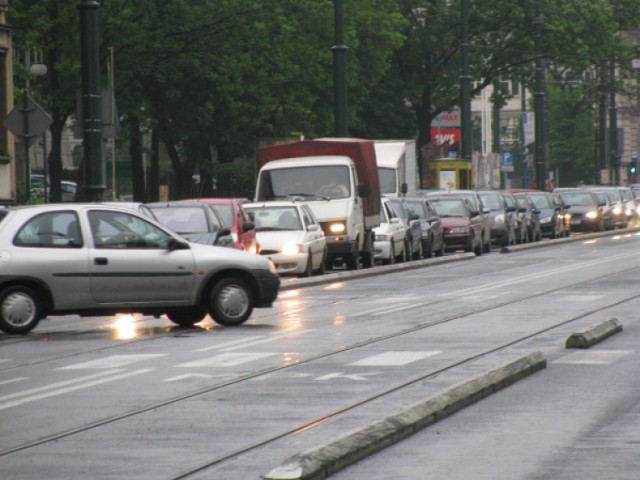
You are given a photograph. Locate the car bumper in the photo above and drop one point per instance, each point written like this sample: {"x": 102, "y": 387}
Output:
{"x": 457, "y": 241}
{"x": 382, "y": 250}
{"x": 269, "y": 286}
{"x": 289, "y": 264}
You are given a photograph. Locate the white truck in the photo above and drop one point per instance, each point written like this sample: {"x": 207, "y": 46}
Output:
{"x": 397, "y": 167}
{"x": 338, "y": 179}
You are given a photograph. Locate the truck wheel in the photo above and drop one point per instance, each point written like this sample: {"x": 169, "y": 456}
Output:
{"x": 230, "y": 302}
{"x": 20, "y": 310}
{"x": 186, "y": 317}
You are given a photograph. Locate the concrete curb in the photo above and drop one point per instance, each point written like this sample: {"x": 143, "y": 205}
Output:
{"x": 291, "y": 284}
{"x": 322, "y": 461}
{"x": 594, "y": 334}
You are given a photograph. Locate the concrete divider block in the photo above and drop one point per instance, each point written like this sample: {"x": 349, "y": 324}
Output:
{"x": 594, "y": 334}
{"x": 322, "y": 461}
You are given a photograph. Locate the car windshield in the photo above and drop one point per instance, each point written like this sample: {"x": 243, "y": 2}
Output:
{"x": 578, "y": 199}
{"x": 183, "y": 219}
{"x": 226, "y": 212}
{"x": 417, "y": 208}
{"x": 327, "y": 182}
{"x": 491, "y": 201}
{"x": 275, "y": 218}
{"x": 541, "y": 201}
{"x": 449, "y": 208}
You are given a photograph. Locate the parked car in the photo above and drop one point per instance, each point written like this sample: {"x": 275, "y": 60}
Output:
{"x": 616, "y": 216}
{"x": 518, "y": 215}
{"x": 414, "y": 229}
{"x": 237, "y": 220}
{"x": 194, "y": 221}
{"x": 550, "y": 214}
{"x": 503, "y": 224}
{"x": 94, "y": 259}
{"x": 585, "y": 210}
{"x": 67, "y": 187}
{"x": 531, "y": 216}
{"x": 564, "y": 213}
{"x": 475, "y": 202}
{"x": 290, "y": 236}
{"x": 432, "y": 230}
{"x": 631, "y": 206}
{"x": 462, "y": 224}
{"x": 390, "y": 243}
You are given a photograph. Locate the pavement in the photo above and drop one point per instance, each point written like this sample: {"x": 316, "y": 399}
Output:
{"x": 324, "y": 460}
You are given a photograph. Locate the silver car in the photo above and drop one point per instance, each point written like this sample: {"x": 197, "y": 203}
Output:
{"x": 96, "y": 259}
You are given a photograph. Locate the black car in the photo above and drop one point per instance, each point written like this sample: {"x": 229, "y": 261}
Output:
{"x": 551, "y": 220}
{"x": 585, "y": 210}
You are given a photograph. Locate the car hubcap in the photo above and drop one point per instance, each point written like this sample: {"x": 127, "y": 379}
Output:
{"x": 233, "y": 301}
{"x": 18, "y": 309}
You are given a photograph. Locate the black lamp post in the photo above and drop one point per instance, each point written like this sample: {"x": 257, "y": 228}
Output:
{"x": 94, "y": 167}
{"x": 340, "y": 72}
{"x": 540, "y": 162}
{"x": 465, "y": 86}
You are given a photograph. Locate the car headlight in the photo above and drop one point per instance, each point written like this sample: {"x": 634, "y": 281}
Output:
{"x": 628, "y": 212}
{"x": 499, "y": 219}
{"x": 338, "y": 227}
{"x": 291, "y": 249}
{"x": 382, "y": 238}
{"x": 546, "y": 220}
{"x": 617, "y": 211}
{"x": 592, "y": 215}
{"x": 458, "y": 230}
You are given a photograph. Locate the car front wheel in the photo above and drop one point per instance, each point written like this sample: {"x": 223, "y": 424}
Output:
{"x": 230, "y": 302}
{"x": 20, "y": 310}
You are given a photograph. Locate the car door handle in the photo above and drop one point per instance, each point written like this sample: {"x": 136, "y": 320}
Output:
{"x": 100, "y": 261}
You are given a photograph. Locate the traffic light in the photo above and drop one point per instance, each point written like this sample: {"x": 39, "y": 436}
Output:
{"x": 632, "y": 169}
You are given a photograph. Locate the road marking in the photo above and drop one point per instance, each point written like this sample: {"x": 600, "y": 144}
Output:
{"x": 226, "y": 360}
{"x": 594, "y": 357}
{"x": 252, "y": 341}
{"x": 189, "y": 375}
{"x": 345, "y": 376}
{"x": 393, "y": 359}
{"x": 582, "y": 298}
{"x": 114, "y": 361}
{"x": 14, "y": 380}
{"x": 66, "y": 387}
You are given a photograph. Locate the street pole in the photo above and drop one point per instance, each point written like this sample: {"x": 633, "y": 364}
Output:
{"x": 539, "y": 101}
{"x": 613, "y": 127}
{"x": 340, "y": 72}
{"x": 94, "y": 167}
{"x": 465, "y": 86}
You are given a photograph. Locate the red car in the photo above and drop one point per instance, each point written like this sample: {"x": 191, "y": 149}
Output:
{"x": 462, "y": 225}
{"x": 237, "y": 220}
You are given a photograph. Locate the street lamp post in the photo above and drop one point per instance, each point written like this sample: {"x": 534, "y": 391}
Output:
{"x": 539, "y": 101}
{"x": 94, "y": 167}
{"x": 340, "y": 72}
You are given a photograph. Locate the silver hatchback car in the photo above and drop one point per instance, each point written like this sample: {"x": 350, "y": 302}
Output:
{"x": 96, "y": 259}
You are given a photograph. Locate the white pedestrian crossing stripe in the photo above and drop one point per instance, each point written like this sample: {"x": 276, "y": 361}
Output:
{"x": 114, "y": 361}
{"x": 229, "y": 359}
{"x": 393, "y": 359}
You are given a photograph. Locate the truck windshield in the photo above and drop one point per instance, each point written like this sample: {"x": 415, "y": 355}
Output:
{"x": 317, "y": 182}
{"x": 388, "y": 182}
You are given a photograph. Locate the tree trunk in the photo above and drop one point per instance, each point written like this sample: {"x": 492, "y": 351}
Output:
{"x": 137, "y": 166}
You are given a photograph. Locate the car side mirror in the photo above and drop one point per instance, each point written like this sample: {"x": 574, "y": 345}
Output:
{"x": 175, "y": 244}
{"x": 314, "y": 227}
{"x": 224, "y": 232}
{"x": 404, "y": 188}
{"x": 394, "y": 220}
{"x": 486, "y": 211}
{"x": 246, "y": 226}
{"x": 474, "y": 213}
{"x": 511, "y": 209}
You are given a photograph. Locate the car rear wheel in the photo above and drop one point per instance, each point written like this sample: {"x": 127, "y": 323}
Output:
{"x": 230, "y": 302}
{"x": 20, "y": 310}
{"x": 186, "y": 317}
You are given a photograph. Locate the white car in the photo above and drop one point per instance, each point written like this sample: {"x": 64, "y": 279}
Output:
{"x": 389, "y": 244}
{"x": 290, "y": 235}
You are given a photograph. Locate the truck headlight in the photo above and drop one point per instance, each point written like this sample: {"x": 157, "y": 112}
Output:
{"x": 338, "y": 227}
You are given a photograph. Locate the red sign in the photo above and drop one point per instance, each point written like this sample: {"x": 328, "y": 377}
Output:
{"x": 445, "y": 135}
